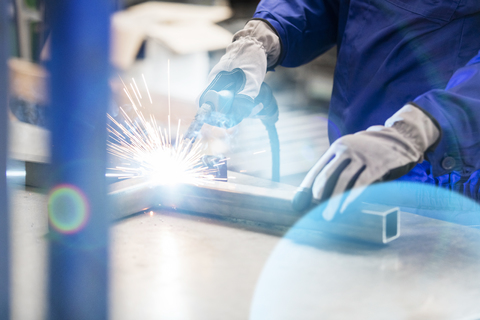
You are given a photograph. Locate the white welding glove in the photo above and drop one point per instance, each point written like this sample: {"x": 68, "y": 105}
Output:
{"x": 242, "y": 71}
{"x": 357, "y": 160}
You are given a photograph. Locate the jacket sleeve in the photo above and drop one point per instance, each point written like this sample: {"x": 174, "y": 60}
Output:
{"x": 457, "y": 110}
{"x": 306, "y": 28}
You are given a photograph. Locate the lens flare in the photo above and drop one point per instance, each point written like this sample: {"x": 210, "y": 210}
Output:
{"x": 68, "y": 209}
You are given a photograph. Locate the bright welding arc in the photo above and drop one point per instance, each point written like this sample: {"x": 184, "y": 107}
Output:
{"x": 149, "y": 151}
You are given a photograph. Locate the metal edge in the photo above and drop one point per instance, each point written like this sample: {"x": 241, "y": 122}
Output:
{"x": 249, "y": 202}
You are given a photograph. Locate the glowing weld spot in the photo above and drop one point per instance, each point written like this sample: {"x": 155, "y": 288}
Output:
{"x": 150, "y": 152}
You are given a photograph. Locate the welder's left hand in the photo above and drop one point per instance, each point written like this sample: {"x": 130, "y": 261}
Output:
{"x": 378, "y": 154}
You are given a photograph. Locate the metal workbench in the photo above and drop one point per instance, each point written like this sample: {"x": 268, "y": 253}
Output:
{"x": 171, "y": 265}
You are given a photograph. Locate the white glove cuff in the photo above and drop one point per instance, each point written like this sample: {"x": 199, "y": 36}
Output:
{"x": 416, "y": 126}
{"x": 248, "y": 54}
{"x": 263, "y": 33}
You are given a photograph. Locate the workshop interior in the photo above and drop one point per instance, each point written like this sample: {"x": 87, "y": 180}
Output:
{"x": 240, "y": 159}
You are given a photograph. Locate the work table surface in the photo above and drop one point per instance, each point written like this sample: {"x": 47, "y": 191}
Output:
{"x": 172, "y": 265}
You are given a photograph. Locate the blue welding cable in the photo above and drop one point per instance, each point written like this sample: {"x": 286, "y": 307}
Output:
{"x": 269, "y": 116}
{"x": 275, "y": 150}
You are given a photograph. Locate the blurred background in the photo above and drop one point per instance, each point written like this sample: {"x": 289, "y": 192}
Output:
{"x": 147, "y": 40}
{"x": 192, "y": 35}
{"x": 157, "y": 262}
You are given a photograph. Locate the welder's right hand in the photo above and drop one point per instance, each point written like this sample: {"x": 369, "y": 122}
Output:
{"x": 380, "y": 153}
{"x": 242, "y": 71}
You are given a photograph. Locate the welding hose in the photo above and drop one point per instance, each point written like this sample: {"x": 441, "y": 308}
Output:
{"x": 268, "y": 115}
{"x": 275, "y": 149}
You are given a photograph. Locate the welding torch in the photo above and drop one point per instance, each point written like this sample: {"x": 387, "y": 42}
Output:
{"x": 205, "y": 112}
{"x": 216, "y": 100}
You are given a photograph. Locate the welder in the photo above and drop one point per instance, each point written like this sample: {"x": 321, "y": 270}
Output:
{"x": 406, "y": 96}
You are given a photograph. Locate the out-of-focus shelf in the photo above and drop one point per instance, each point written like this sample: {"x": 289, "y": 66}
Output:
{"x": 28, "y": 142}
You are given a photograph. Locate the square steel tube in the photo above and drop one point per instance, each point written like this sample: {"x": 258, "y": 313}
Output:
{"x": 255, "y": 200}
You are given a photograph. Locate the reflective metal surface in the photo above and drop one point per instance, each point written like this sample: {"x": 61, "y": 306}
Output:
{"x": 171, "y": 265}
{"x": 252, "y": 199}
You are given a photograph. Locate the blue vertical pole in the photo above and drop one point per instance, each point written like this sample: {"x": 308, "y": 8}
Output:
{"x": 4, "y": 218}
{"x": 78, "y": 220}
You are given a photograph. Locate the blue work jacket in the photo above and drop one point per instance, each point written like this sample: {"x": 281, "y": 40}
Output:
{"x": 391, "y": 52}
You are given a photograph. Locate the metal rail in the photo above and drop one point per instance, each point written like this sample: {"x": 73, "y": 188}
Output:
{"x": 255, "y": 200}
{"x": 4, "y": 213}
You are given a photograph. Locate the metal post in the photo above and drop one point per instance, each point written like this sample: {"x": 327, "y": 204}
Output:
{"x": 4, "y": 215}
{"x": 78, "y": 219}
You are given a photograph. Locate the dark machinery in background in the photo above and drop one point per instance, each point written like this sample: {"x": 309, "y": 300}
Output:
{"x": 28, "y": 26}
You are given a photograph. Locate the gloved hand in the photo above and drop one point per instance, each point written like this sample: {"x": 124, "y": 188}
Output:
{"x": 242, "y": 71}
{"x": 357, "y": 160}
